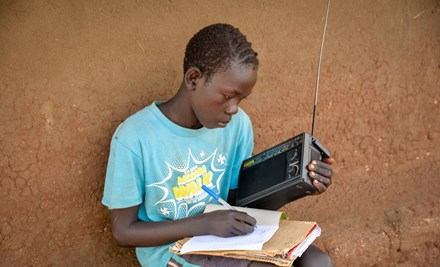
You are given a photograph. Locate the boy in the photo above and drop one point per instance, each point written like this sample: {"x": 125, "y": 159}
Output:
{"x": 161, "y": 156}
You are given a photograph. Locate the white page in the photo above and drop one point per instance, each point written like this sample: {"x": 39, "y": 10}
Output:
{"x": 306, "y": 243}
{"x": 252, "y": 241}
{"x": 267, "y": 225}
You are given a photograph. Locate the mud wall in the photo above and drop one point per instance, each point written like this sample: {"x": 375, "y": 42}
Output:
{"x": 71, "y": 71}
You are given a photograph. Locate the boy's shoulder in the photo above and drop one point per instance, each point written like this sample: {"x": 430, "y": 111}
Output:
{"x": 136, "y": 123}
{"x": 139, "y": 117}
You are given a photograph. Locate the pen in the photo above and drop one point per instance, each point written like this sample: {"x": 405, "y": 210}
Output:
{"x": 216, "y": 197}
{"x": 219, "y": 199}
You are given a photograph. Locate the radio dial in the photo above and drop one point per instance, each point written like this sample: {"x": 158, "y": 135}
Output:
{"x": 294, "y": 157}
{"x": 294, "y": 170}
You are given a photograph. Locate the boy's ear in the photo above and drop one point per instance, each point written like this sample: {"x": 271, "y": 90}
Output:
{"x": 192, "y": 77}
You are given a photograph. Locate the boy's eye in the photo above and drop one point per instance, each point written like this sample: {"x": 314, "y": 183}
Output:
{"x": 228, "y": 97}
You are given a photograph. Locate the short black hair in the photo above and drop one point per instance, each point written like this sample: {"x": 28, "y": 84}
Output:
{"x": 215, "y": 47}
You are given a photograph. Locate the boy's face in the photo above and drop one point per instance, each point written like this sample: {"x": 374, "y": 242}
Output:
{"x": 214, "y": 102}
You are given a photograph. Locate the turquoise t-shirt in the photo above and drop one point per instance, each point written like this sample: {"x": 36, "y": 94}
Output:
{"x": 161, "y": 166}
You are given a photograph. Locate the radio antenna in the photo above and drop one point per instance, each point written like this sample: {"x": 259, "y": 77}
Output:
{"x": 319, "y": 67}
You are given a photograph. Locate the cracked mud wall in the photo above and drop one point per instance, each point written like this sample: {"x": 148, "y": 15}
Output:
{"x": 71, "y": 71}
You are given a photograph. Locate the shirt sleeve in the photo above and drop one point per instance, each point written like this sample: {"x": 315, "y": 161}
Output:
{"x": 124, "y": 182}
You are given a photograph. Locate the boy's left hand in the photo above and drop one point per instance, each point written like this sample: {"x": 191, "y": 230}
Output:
{"x": 321, "y": 173}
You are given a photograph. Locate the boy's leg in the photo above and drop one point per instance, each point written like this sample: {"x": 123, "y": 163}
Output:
{"x": 213, "y": 261}
{"x": 313, "y": 257}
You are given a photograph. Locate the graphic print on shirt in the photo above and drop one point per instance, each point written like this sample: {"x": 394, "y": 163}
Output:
{"x": 181, "y": 188}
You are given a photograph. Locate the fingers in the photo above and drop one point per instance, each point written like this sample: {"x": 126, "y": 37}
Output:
{"x": 244, "y": 224}
{"x": 321, "y": 173}
{"x": 320, "y": 178}
{"x": 320, "y": 182}
{"x": 321, "y": 168}
{"x": 244, "y": 217}
{"x": 241, "y": 229}
{"x": 227, "y": 223}
{"x": 320, "y": 186}
{"x": 329, "y": 161}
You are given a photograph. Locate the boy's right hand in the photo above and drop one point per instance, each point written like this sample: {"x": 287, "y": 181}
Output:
{"x": 227, "y": 223}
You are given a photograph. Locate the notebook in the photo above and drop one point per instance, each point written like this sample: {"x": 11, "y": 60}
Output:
{"x": 276, "y": 239}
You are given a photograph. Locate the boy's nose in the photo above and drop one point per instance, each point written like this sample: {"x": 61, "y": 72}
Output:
{"x": 233, "y": 107}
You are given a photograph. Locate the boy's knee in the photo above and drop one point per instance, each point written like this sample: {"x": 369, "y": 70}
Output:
{"x": 314, "y": 257}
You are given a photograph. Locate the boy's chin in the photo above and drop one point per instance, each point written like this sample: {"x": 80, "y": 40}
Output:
{"x": 222, "y": 124}
{"x": 215, "y": 125}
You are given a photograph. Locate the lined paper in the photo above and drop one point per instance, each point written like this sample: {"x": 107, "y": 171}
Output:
{"x": 252, "y": 241}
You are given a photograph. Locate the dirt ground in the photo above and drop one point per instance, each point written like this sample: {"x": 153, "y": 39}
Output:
{"x": 71, "y": 71}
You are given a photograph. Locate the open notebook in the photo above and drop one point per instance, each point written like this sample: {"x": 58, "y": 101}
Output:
{"x": 275, "y": 239}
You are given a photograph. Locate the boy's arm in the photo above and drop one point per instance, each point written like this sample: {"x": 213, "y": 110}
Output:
{"x": 129, "y": 231}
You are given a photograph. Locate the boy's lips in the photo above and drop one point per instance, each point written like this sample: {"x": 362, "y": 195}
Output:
{"x": 223, "y": 123}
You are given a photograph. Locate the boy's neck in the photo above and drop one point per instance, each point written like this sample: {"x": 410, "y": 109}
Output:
{"x": 178, "y": 110}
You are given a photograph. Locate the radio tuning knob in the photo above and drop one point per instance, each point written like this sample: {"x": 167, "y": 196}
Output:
{"x": 294, "y": 157}
{"x": 294, "y": 170}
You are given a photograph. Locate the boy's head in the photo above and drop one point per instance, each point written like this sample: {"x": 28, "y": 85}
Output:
{"x": 215, "y": 47}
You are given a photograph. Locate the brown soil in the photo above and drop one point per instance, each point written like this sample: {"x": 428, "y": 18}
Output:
{"x": 71, "y": 71}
